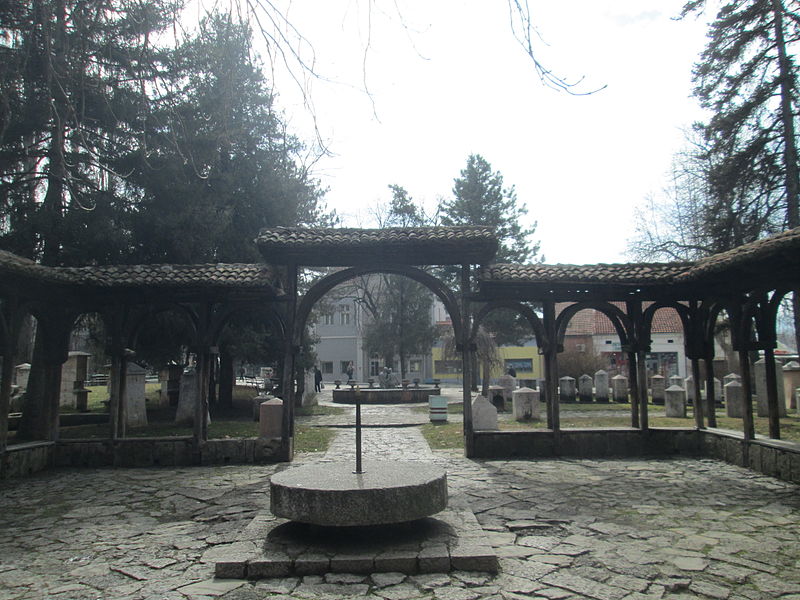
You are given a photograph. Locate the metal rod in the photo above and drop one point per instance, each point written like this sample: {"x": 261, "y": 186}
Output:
{"x": 358, "y": 434}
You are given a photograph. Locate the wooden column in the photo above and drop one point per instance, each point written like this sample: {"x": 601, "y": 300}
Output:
{"x": 641, "y": 373}
{"x": 633, "y": 385}
{"x": 466, "y": 360}
{"x": 711, "y": 400}
{"x": 748, "y": 426}
{"x": 289, "y": 353}
{"x": 698, "y": 401}
{"x": 551, "y": 367}
{"x": 773, "y": 411}
{"x": 11, "y": 320}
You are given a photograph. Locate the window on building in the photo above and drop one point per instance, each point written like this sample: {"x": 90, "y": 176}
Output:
{"x": 415, "y": 365}
{"x": 519, "y": 364}
{"x": 343, "y": 365}
{"x": 345, "y": 314}
{"x": 374, "y": 367}
{"x": 326, "y": 367}
{"x": 327, "y": 318}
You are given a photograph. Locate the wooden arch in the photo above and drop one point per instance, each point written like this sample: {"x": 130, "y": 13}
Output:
{"x": 526, "y": 311}
{"x": 621, "y": 322}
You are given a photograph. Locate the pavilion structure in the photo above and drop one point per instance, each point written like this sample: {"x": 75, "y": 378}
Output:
{"x": 747, "y": 283}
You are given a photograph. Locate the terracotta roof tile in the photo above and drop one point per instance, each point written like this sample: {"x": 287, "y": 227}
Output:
{"x": 599, "y": 273}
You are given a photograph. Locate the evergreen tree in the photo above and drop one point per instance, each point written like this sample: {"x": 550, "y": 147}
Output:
{"x": 479, "y": 198}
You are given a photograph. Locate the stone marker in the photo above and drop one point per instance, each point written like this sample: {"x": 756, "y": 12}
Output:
{"x": 657, "y": 388}
{"x": 676, "y": 380}
{"x": 619, "y": 388}
{"x": 730, "y": 377}
{"x": 170, "y": 377}
{"x": 509, "y": 384}
{"x": 760, "y": 368}
{"x": 566, "y": 389}
{"x": 21, "y": 374}
{"x": 791, "y": 381}
{"x": 601, "y": 386}
{"x": 675, "y": 402}
{"x": 135, "y": 406}
{"x": 585, "y": 388}
{"x": 526, "y": 404}
{"x": 497, "y": 398}
{"x": 718, "y": 391}
{"x": 689, "y": 390}
{"x": 188, "y": 397}
{"x": 484, "y": 415}
{"x": 270, "y": 418}
{"x": 734, "y": 399}
{"x": 73, "y": 378}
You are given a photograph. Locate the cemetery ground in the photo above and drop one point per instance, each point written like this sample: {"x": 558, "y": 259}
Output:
{"x": 609, "y": 529}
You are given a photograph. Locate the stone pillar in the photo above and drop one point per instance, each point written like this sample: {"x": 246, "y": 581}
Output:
{"x": 619, "y": 388}
{"x": 566, "y": 389}
{"x": 675, "y": 402}
{"x": 601, "y": 386}
{"x": 170, "y": 377}
{"x": 73, "y": 377}
{"x": 270, "y": 420}
{"x": 760, "y": 368}
{"x": 689, "y": 390}
{"x": 658, "y": 387}
{"x": 188, "y": 397}
{"x": 585, "y": 388}
{"x": 21, "y": 374}
{"x": 791, "y": 381}
{"x": 526, "y": 404}
{"x": 734, "y": 399}
{"x": 484, "y": 415}
{"x": 135, "y": 406}
{"x": 728, "y": 378}
{"x": 508, "y": 383}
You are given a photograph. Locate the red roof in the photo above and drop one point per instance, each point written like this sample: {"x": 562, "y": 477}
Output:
{"x": 592, "y": 322}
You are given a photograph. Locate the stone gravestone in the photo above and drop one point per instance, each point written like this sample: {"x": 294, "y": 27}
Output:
{"x": 21, "y": 374}
{"x": 585, "y": 388}
{"x": 675, "y": 402}
{"x": 188, "y": 397}
{"x": 526, "y": 404}
{"x": 566, "y": 389}
{"x": 601, "y": 386}
{"x": 718, "y": 391}
{"x": 170, "y": 378}
{"x": 497, "y": 397}
{"x": 676, "y": 380}
{"x": 135, "y": 406}
{"x": 657, "y": 385}
{"x": 689, "y": 390}
{"x": 484, "y": 415}
{"x": 760, "y": 368}
{"x": 791, "y": 381}
{"x": 734, "y": 399}
{"x": 270, "y": 418}
{"x": 541, "y": 385}
{"x": 509, "y": 384}
{"x": 73, "y": 377}
{"x": 619, "y": 388}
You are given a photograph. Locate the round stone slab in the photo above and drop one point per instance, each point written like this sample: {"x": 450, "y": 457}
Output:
{"x": 331, "y": 494}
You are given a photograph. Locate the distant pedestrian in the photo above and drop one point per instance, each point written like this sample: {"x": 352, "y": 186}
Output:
{"x": 512, "y": 371}
{"x": 350, "y": 370}
{"x": 317, "y": 379}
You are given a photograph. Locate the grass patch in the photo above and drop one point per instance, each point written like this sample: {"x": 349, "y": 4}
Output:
{"x": 316, "y": 409}
{"x": 312, "y": 439}
{"x": 441, "y": 436}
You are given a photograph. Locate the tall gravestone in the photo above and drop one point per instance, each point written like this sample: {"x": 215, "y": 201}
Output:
{"x": 566, "y": 389}
{"x": 188, "y": 398}
{"x": 585, "y": 388}
{"x": 689, "y": 387}
{"x": 619, "y": 388}
{"x": 526, "y": 404}
{"x": 675, "y": 402}
{"x": 601, "y": 386}
{"x": 135, "y": 405}
{"x": 658, "y": 387}
{"x": 791, "y": 381}
{"x": 21, "y": 374}
{"x": 484, "y": 415}
{"x": 734, "y": 399}
{"x": 73, "y": 378}
{"x": 760, "y": 368}
{"x": 508, "y": 383}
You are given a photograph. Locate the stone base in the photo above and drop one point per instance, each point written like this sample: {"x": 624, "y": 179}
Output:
{"x": 331, "y": 494}
{"x": 273, "y": 547}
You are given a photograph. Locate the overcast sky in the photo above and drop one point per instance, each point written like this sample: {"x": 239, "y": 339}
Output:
{"x": 447, "y": 79}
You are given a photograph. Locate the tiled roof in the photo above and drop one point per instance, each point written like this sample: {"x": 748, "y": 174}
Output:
{"x": 405, "y": 245}
{"x": 599, "y": 273}
{"x": 16, "y": 265}
{"x": 780, "y": 248}
{"x": 592, "y": 322}
{"x": 174, "y": 276}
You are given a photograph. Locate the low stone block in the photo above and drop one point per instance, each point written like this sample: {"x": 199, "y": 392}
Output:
{"x": 311, "y": 564}
{"x": 263, "y": 568}
{"x": 473, "y": 558}
{"x": 233, "y": 569}
{"x": 397, "y": 562}
{"x": 343, "y": 563}
{"x": 435, "y": 559}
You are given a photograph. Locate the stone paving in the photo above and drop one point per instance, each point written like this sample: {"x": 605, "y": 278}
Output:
{"x": 564, "y": 529}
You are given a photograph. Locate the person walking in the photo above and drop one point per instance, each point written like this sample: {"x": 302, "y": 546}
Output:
{"x": 317, "y": 379}
{"x": 350, "y": 370}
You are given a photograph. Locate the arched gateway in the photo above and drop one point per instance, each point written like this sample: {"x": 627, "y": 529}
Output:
{"x": 746, "y": 282}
